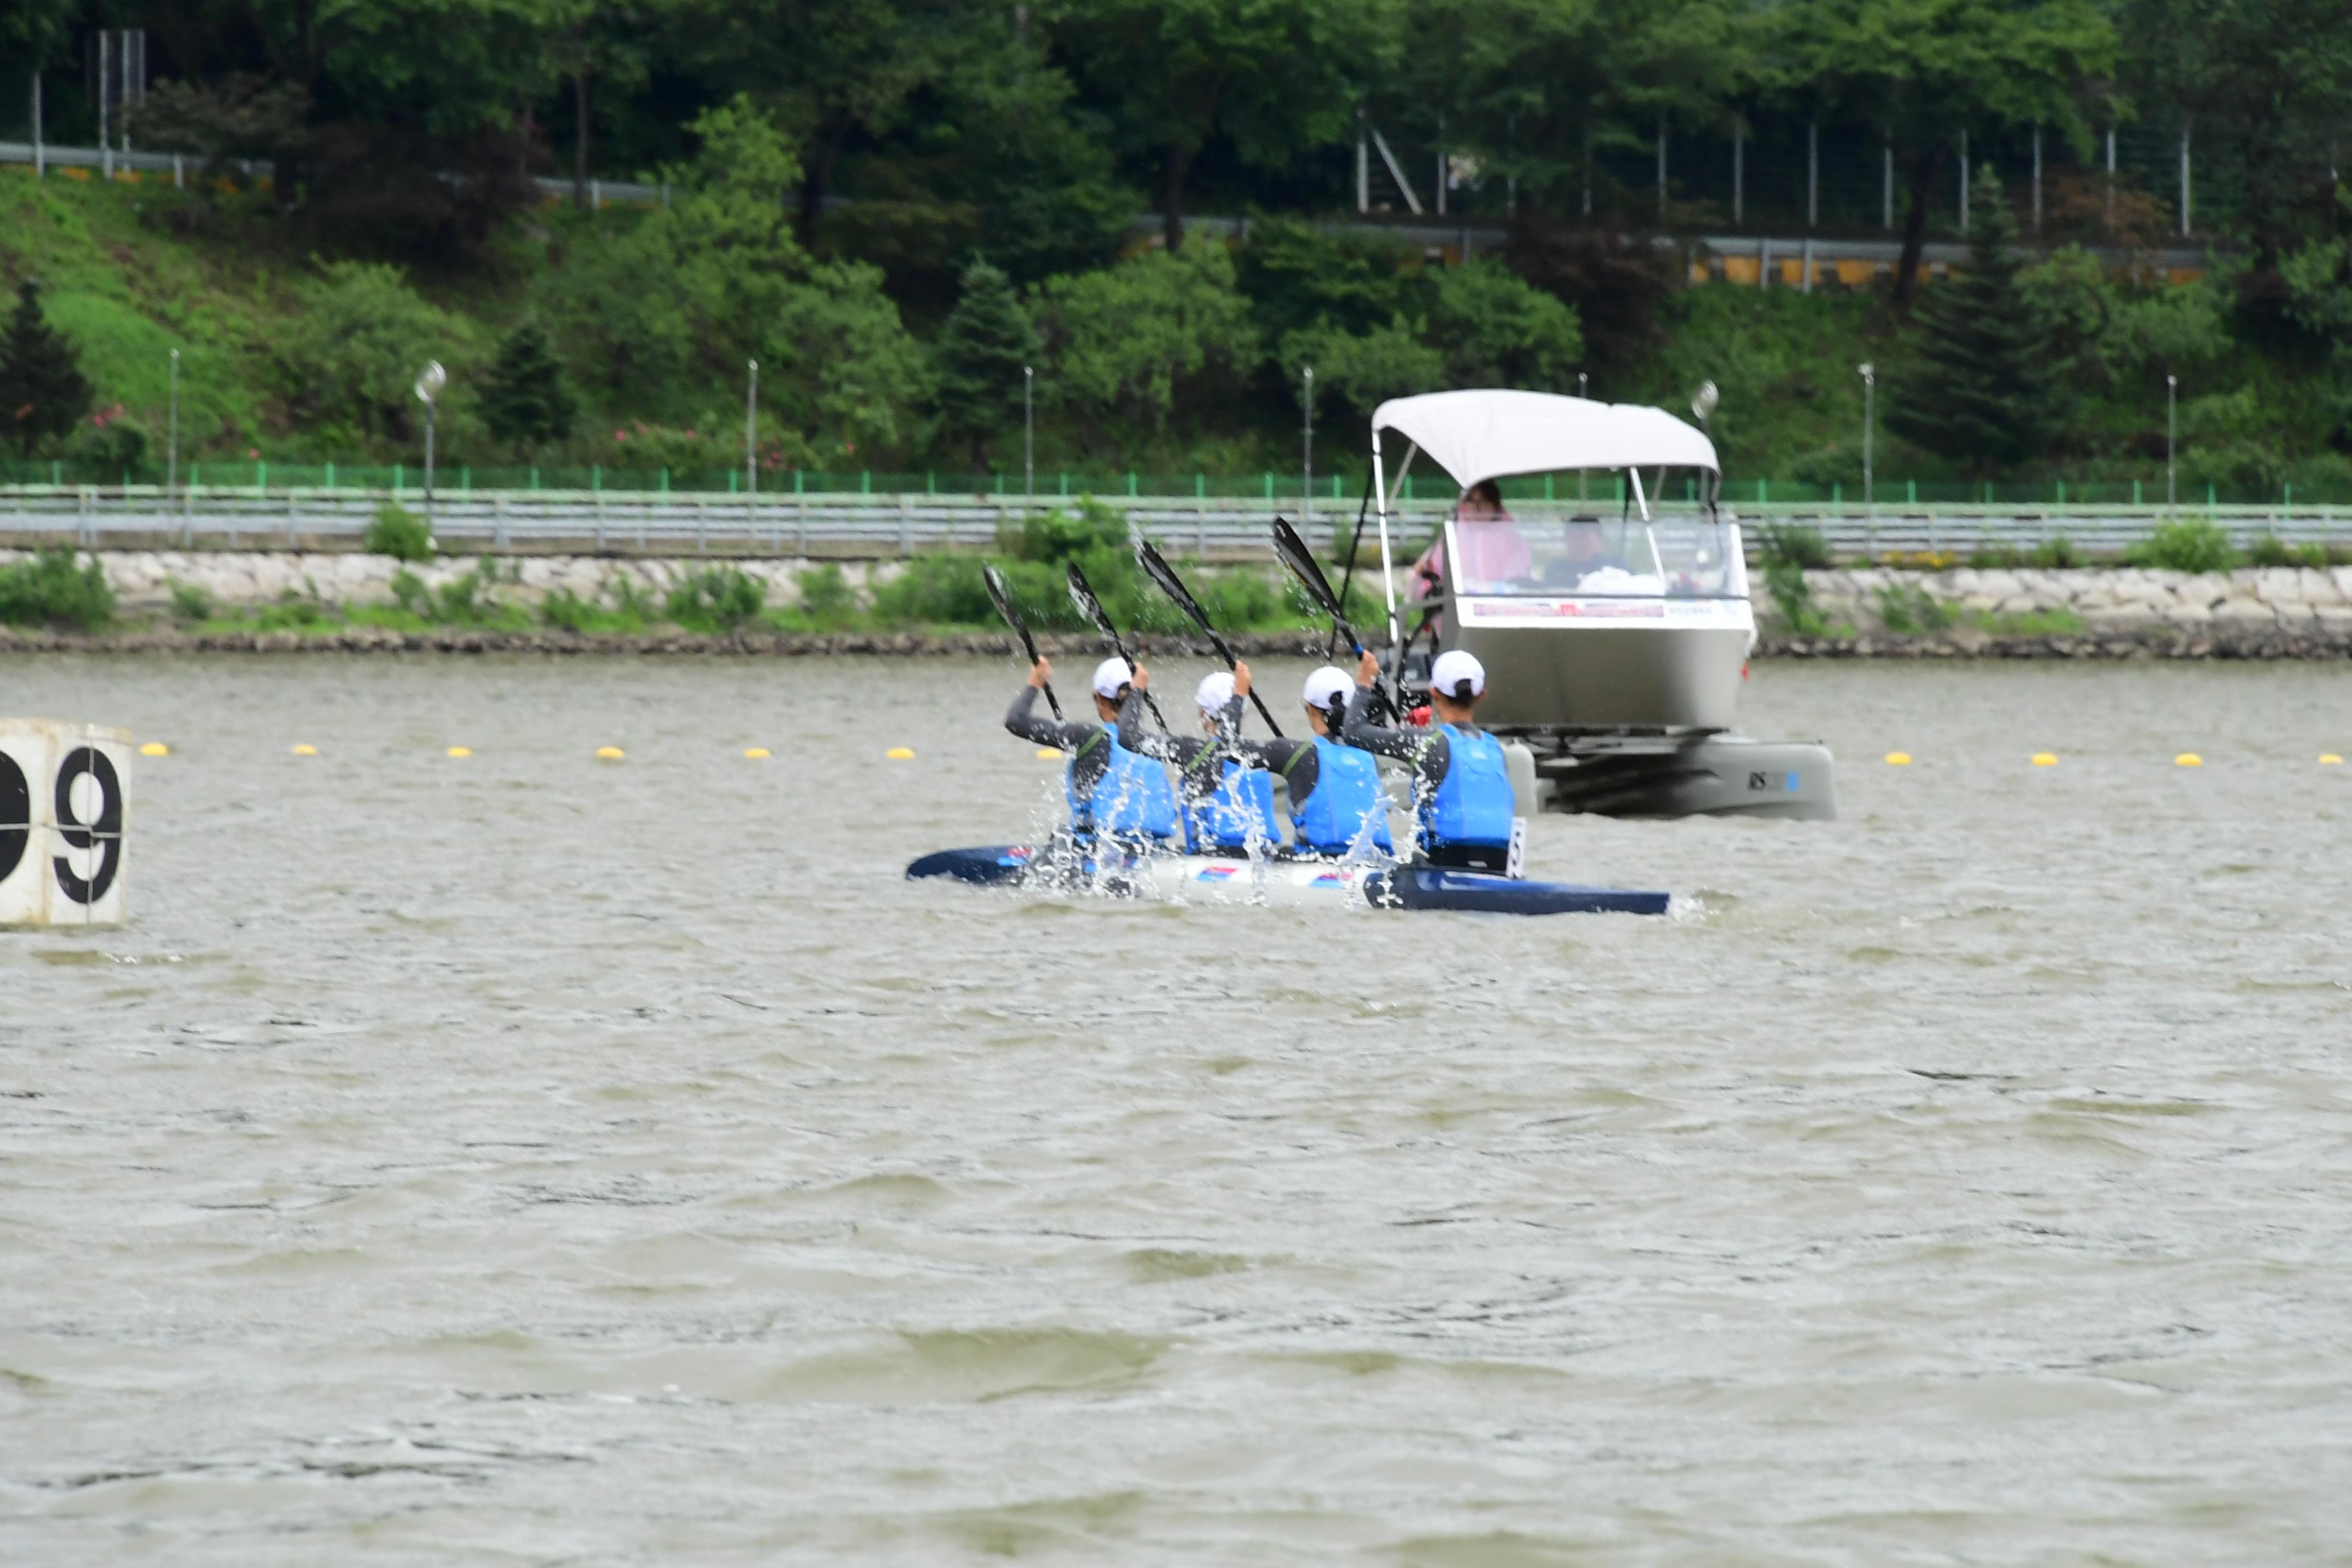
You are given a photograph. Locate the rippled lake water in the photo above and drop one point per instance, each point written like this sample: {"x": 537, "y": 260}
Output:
{"x": 525, "y": 1158}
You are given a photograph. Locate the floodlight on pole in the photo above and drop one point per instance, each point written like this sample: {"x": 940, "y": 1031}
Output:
{"x": 1869, "y": 423}
{"x": 1307, "y": 460}
{"x": 1028, "y": 431}
{"x": 172, "y": 461}
{"x": 429, "y": 383}
{"x": 1704, "y": 400}
{"x": 2171, "y": 435}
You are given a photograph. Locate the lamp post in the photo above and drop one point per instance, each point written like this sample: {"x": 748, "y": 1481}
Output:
{"x": 172, "y": 445}
{"x": 429, "y": 383}
{"x": 750, "y": 434}
{"x": 1307, "y": 460}
{"x": 1869, "y": 423}
{"x": 1028, "y": 431}
{"x": 2171, "y": 435}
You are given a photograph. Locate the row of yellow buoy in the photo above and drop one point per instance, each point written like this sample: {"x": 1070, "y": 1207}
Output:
{"x": 2050, "y": 760}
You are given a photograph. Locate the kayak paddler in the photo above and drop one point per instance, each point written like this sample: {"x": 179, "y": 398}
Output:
{"x": 1112, "y": 791}
{"x": 1335, "y": 789}
{"x": 1462, "y": 792}
{"x": 1228, "y": 796}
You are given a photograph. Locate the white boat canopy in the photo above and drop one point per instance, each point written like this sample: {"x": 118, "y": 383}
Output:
{"x": 1493, "y": 434}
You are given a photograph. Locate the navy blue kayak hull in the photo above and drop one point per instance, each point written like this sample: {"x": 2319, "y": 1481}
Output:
{"x": 1301, "y": 881}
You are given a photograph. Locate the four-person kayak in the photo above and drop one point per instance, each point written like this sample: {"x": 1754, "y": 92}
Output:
{"x": 1295, "y": 881}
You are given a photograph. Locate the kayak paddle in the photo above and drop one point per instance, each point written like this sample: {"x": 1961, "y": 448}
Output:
{"x": 1012, "y": 618}
{"x": 1082, "y": 594}
{"x": 1156, "y": 567}
{"x": 1293, "y": 553}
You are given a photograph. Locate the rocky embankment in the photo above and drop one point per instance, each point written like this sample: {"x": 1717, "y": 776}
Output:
{"x": 1867, "y": 612}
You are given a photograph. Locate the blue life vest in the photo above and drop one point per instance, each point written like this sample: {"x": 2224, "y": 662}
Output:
{"x": 1132, "y": 796}
{"x": 1240, "y": 808}
{"x": 1346, "y": 791}
{"x": 1473, "y": 802}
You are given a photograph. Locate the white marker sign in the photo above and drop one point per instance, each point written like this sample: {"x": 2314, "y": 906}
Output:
{"x": 65, "y": 793}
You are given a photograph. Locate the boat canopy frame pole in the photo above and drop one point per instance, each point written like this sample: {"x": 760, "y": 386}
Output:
{"x": 1388, "y": 578}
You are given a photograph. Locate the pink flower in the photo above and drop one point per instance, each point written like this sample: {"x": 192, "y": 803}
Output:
{"x": 620, "y": 434}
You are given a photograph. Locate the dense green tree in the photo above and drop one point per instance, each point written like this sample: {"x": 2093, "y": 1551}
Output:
{"x": 2267, "y": 88}
{"x": 827, "y": 71}
{"x": 1275, "y": 78}
{"x": 986, "y": 342}
{"x": 1155, "y": 334}
{"x": 42, "y": 391}
{"x": 346, "y": 362}
{"x": 524, "y": 401}
{"x": 670, "y": 307}
{"x": 1985, "y": 390}
{"x": 1923, "y": 69}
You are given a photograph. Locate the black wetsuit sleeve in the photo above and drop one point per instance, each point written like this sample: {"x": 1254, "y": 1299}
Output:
{"x": 1424, "y": 751}
{"x": 1152, "y": 742}
{"x": 1088, "y": 744}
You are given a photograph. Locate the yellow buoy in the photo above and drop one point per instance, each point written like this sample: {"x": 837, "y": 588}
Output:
{"x": 756, "y": 752}
{"x": 154, "y": 749}
{"x": 901, "y": 753}
{"x": 1898, "y": 759}
{"x": 2045, "y": 759}
{"x": 461, "y": 751}
{"x": 2188, "y": 760}
{"x": 1052, "y": 753}
{"x": 305, "y": 750}
{"x": 2330, "y": 759}
{"x": 610, "y": 753}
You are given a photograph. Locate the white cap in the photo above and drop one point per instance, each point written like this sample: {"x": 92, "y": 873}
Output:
{"x": 1109, "y": 676}
{"x": 1326, "y": 684}
{"x": 1216, "y": 691}
{"x": 1454, "y": 667}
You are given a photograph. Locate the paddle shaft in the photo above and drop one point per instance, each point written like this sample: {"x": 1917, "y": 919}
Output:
{"x": 1028, "y": 643}
{"x": 1156, "y": 567}
{"x": 1083, "y": 593}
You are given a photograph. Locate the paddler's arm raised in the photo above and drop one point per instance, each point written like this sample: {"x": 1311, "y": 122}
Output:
{"x": 1424, "y": 749}
{"x": 1152, "y": 742}
{"x": 1022, "y": 721}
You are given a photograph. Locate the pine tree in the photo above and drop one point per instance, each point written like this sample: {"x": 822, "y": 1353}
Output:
{"x": 987, "y": 339}
{"x": 42, "y": 391}
{"x": 1988, "y": 388}
{"x": 525, "y": 403}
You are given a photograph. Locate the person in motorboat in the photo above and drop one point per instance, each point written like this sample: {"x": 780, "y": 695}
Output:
{"x": 1113, "y": 792}
{"x": 1228, "y": 797}
{"x": 1462, "y": 792}
{"x": 1493, "y": 549}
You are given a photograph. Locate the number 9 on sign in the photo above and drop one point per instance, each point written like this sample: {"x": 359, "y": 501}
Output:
{"x": 64, "y": 799}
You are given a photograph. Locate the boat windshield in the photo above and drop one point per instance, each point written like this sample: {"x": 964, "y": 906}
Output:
{"x": 1550, "y": 553}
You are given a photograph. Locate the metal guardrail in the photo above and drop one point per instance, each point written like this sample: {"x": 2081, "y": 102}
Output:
{"x": 883, "y": 526}
{"x": 119, "y": 163}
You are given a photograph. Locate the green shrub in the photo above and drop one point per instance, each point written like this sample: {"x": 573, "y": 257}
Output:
{"x": 1057, "y": 536}
{"x": 2272, "y": 551}
{"x": 292, "y": 612}
{"x": 943, "y": 590}
{"x": 562, "y": 607}
{"x": 1908, "y": 607}
{"x": 399, "y": 533}
{"x": 189, "y": 602}
{"x": 1996, "y": 557}
{"x": 51, "y": 589}
{"x": 2058, "y": 552}
{"x": 466, "y": 599}
{"x": 827, "y": 601}
{"x": 2190, "y": 544}
{"x": 411, "y": 594}
{"x": 718, "y": 598}
{"x": 1793, "y": 545}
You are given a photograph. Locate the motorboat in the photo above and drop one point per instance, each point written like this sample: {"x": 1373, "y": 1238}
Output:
{"x": 1588, "y": 564}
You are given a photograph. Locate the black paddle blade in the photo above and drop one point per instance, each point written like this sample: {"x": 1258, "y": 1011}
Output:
{"x": 1157, "y": 568}
{"x": 1082, "y": 594}
{"x": 1293, "y": 553}
{"x": 1004, "y": 602}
